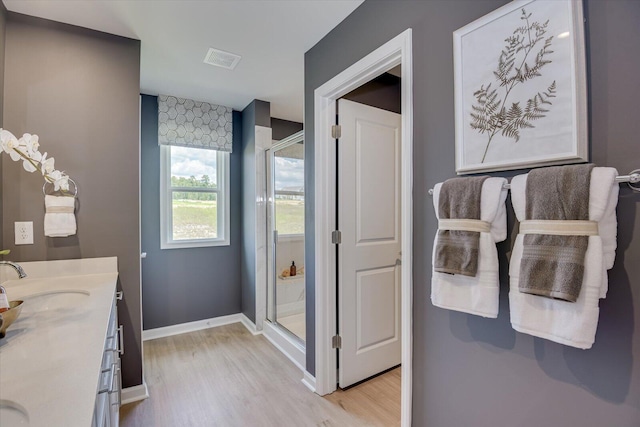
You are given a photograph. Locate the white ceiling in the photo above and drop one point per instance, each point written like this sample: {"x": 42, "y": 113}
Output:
{"x": 271, "y": 36}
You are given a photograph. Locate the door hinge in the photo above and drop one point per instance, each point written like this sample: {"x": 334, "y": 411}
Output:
{"x": 336, "y": 131}
{"x": 336, "y": 341}
{"x": 336, "y": 237}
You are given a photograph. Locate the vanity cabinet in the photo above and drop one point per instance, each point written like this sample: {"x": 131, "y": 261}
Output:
{"x": 107, "y": 408}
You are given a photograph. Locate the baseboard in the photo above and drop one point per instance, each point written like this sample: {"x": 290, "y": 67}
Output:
{"x": 198, "y": 325}
{"x": 133, "y": 394}
{"x": 309, "y": 380}
{"x": 251, "y": 327}
{"x": 280, "y": 340}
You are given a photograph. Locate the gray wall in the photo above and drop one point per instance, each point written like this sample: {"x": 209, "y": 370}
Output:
{"x": 184, "y": 285}
{"x": 283, "y": 128}
{"x": 382, "y": 92}
{"x": 470, "y": 370}
{"x": 258, "y": 113}
{"x": 78, "y": 90}
{"x": 3, "y": 24}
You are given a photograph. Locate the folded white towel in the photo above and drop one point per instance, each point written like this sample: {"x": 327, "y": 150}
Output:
{"x": 476, "y": 295}
{"x": 569, "y": 323}
{"x": 59, "y": 217}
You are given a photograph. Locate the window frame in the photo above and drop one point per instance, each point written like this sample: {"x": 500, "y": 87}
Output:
{"x": 166, "y": 207}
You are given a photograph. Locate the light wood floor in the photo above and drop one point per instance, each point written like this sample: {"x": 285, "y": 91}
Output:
{"x": 227, "y": 377}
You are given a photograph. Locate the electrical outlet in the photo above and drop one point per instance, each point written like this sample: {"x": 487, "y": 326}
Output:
{"x": 24, "y": 233}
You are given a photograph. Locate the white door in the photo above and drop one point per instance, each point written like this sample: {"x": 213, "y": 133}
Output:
{"x": 369, "y": 255}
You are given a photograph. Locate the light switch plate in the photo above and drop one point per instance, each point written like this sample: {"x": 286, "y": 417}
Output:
{"x": 24, "y": 232}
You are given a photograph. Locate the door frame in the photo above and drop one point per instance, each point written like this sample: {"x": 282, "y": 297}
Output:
{"x": 395, "y": 52}
{"x": 271, "y": 250}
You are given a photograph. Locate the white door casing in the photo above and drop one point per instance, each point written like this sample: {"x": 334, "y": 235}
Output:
{"x": 394, "y": 52}
{"x": 369, "y": 255}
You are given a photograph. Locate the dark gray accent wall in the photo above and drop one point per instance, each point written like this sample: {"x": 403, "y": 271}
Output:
{"x": 78, "y": 90}
{"x": 383, "y": 92}
{"x": 184, "y": 285}
{"x": 257, "y": 113}
{"x": 467, "y": 370}
{"x": 3, "y": 26}
{"x": 283, "y": 128}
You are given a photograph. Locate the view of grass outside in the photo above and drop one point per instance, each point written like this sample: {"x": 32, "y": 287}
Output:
{"x": 194, "y": 213}
{"x": 288, "y": 174}
{"x": 194, "y": 219}
{"x": 289, "y": 215}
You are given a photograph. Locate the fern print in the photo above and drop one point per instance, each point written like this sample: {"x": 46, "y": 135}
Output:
{"x": 525, "y": 54}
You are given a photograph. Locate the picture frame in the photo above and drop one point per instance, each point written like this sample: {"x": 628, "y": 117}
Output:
{"x": 520, "y": 88}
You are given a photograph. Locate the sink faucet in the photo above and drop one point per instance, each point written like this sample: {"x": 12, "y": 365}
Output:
{"x": 16, "y": 267}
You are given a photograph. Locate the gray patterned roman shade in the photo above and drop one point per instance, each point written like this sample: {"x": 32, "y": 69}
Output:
{"x": 194, "y": 124}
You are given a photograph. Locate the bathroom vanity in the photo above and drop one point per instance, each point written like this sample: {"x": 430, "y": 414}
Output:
{"x": 60, "y": 360}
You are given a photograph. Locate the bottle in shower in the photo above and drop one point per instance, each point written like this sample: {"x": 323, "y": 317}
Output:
{"x": 292, "y": 269}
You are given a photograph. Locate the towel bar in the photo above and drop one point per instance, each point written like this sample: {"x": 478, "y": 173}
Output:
{"x": 632, "y": 178}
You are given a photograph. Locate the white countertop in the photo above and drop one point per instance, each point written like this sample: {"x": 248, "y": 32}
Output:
{"x": 50, "y": 360}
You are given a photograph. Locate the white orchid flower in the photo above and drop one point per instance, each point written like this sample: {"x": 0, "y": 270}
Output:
{"x": 62, "y": 183}
{"x": 55, "y": 175}
{"x": 28, "y": 166}
{"x": 13, "y": 151}
{"x": 31, "y": 143}
{"x": 47, "y": 166}
{"x": 5, "y": 137}
{"x": 9, "y": 144}
{"x": 26, "y": 149}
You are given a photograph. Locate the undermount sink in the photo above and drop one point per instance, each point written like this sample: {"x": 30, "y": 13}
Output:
{"x": 12, "y": 414}
{"x": 62, "y": 302}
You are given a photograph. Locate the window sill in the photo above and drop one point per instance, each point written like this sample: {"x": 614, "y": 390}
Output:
{"x": 189, "y": 244}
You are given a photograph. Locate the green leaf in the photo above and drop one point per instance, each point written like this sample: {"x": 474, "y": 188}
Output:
{"x": 5, "y": 252}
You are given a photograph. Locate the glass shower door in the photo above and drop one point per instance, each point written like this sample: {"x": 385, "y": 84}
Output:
{"x": 286, "y": 293}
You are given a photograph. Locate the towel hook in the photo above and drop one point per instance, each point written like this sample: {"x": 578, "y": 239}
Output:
{"x": 75, "y": 188}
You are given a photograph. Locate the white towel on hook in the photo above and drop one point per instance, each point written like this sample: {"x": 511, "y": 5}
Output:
{"x": 476, "y": 295}
{"x": 569, "y": 323}
{"x": 59, "y": 217}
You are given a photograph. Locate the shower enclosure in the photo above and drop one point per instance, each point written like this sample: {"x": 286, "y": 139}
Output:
{"x": 285, "y": 231}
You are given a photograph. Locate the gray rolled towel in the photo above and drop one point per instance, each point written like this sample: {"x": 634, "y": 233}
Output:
{"x": 456, "y": 250}
{"x": 553, "y": 266}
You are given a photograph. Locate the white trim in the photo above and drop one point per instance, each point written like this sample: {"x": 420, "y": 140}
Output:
{"x": 286, "y": 344}
{"x": 183, "y": 328}
{"x": 263, "y": 143}
{"x": 251, "y": 327}
{"x": 133, "y": 394}
{"x": 396, "y": 51}
{"x": 139, "y": 392}
{"x": 223, "y": 195}
{"x": 309, "y": 381}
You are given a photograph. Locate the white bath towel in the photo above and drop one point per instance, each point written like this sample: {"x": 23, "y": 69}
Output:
{"x": 59, "y": 217}
{"x": 476, "y": 295}
{"x": 569, "y": 323}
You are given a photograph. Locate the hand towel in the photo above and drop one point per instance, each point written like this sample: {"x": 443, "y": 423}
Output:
{"x": 476, "y": 295}
{"x": 59, "y": 217}
{"x": 552, "y": 265}
{"x": 457, "y": 250}
{"x": 568, "y": 323}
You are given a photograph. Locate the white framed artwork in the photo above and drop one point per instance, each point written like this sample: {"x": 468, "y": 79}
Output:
{"x": 520, "y": 87}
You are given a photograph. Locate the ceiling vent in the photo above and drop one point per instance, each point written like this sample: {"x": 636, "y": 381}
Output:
{"x": 223, "y": 59}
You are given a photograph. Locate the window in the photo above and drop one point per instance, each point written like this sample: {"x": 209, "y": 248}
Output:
{"x": 194, "y": 197}
{"x": 289, "y": 193}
